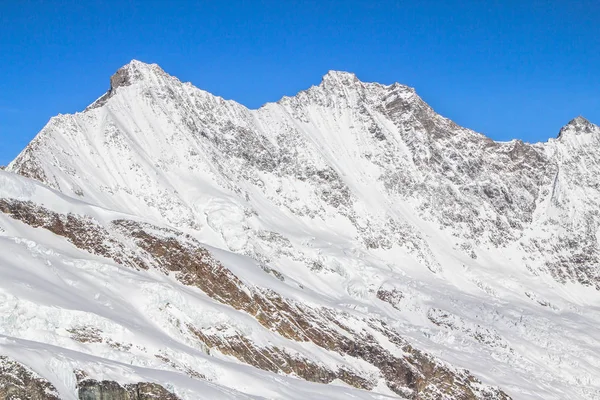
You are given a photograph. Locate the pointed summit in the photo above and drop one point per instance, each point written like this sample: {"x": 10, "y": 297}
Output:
{"x": 339, "y": 78}
{"x": 132, "y": 72}
{"x": 579, "y": 121}
{"x": 128, "y": 74}
{"x": 578, "y": 125}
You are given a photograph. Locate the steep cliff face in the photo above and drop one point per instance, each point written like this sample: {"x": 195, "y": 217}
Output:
{"x": 348, "y": 236}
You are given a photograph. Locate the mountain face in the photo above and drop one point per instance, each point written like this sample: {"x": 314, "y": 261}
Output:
{"x": 344, "y": 242}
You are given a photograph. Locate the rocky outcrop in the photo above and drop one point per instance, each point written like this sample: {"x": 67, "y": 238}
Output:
{"x": 276, "y": 360}
{"x": 18, "y": 382}
{"x": 125, "y": 76}
{"x": 84, "y": 232}
{"x": 90, "y": 389}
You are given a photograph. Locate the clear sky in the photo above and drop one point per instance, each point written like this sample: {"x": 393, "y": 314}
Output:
{"x": 508, "y": 69}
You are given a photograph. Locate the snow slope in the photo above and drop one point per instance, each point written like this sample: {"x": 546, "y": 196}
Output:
{"x": 353, "y": 202}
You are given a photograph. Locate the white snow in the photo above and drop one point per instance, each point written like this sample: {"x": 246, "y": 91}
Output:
{"x": 170, "y": 154}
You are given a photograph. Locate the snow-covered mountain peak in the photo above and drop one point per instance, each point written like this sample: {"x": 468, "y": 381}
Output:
{"x": 339, "y": 78}
{"x": 135, "y": 72}
{"x": 349, "y": 80}
{"x": 343, "y": 90}
{"x": 132, "y": 72}
{"x": 578, "y": 126}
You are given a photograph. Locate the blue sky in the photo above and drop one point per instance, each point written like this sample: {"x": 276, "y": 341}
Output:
{"x": 508, "y": 69}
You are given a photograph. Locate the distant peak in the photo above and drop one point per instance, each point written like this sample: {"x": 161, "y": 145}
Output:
{"x": 128, "y": 74}
{"x": 577, "y": 126}
{"x": 579, "y": 120}
{"x": 133, "y": 71}
{"x": 339, "y": 75}
{"x": 349, "y": 79}
{"x": 339, "y": 78}
{"x": 138, "y": 64}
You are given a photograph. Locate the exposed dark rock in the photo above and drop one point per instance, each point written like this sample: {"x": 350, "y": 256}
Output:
{"x": 277, "y": 360}
{"x": 149, "y": 391}
{"x": 101, "y": 390}
{"x": 125, "y": 76}
{"x": 84, "y": 232}
{"x": 18, "y": 382}
{"x": 90, "y": 389}
{"x": 86, "y": 334}
{"x": 390, "y": 295}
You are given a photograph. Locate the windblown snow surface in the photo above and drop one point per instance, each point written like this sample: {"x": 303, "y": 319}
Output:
{"x": 353, "y": 201}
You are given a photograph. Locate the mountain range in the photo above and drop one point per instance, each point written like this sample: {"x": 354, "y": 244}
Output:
{"x": 346, "y": 242}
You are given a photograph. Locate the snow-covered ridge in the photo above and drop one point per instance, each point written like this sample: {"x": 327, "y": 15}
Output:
{"x": 352, "y": 202}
